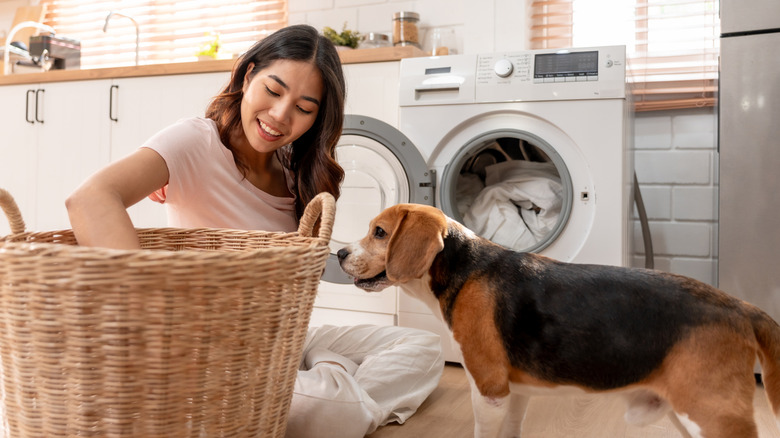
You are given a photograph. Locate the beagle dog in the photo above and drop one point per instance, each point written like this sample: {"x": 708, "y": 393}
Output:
{"x": 527, "y": 324}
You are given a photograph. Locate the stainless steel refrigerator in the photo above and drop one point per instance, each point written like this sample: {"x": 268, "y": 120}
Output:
{"x": 749, "y": 152}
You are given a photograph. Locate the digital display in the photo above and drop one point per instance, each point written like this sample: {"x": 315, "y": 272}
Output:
{"x": 551, "y": 65}
{"x": 437, "y": 71}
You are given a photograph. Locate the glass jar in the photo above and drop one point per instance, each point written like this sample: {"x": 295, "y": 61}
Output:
{"x": 405, "y": 30}
{"x": 440, "y": 42}
{"x": 373, "y": 40}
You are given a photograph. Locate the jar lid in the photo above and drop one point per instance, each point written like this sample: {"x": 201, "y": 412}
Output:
{"x": 405, "y": 14}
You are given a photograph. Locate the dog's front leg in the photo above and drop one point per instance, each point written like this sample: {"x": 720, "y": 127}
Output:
{"x": 489, "y": 412}
{"x": 678, "y": 425}
{"x": 513, "y": 422}
{"x": 489, "y": 415}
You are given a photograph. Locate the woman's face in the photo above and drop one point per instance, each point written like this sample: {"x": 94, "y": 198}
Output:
{"x": 280, "y": 103}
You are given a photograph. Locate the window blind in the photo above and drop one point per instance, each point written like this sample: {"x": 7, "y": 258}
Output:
{"x": 551, "y": 24}
{"x": 672, "y": 45}
{"x": 169, "y": 30}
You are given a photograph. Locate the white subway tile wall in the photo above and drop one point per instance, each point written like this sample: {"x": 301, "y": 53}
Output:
{"x": 367, "y": 16}
{"x": 676, "y": 164}
{"x": 653, "y": 132}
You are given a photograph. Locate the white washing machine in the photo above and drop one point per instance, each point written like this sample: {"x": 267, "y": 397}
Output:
{"x": 496, "y": 118}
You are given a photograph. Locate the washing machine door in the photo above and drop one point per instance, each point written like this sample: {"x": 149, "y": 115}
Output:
{"x": 527, "y": 207}
{"x": 381, "y": 168}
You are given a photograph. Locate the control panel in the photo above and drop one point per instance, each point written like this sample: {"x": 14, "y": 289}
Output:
{"x": 532, "y": 75}
{"x": 551, "y": 74}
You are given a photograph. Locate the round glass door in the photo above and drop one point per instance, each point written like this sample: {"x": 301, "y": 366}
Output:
{"x": 511, "y": 187}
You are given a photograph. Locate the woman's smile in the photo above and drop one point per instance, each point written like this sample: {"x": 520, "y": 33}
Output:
{"x": 268, "y": 132}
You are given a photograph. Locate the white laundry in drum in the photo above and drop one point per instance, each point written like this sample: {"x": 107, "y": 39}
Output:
{"x": 519, "y": 205}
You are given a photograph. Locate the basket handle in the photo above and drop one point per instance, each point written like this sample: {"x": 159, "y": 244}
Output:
{"x": 322, "y": 205}
{"x": 11, "y": 211}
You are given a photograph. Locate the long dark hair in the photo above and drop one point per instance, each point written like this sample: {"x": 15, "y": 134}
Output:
{"x": 311, "y": 157}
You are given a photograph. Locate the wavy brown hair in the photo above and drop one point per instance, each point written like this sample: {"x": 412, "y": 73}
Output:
{"x": 311, "y": 158}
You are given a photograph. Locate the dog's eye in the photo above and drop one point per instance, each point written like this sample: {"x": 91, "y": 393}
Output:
{"x": 379, "y": 233}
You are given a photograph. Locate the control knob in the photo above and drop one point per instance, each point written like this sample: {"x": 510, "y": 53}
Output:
{"x": 503, "y": 68}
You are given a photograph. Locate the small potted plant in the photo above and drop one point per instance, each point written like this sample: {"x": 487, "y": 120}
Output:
{"x": 210, "y": 49}
{"x": 345, "y": 39}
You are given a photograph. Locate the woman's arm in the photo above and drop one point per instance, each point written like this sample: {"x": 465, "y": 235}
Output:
{"x": 98, "y": 208}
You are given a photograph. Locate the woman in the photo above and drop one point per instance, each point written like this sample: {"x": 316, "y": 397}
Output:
{"x": 265, "y": 148}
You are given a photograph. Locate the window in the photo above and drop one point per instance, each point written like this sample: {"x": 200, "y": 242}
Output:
{"x": 169, "y": 30}
{"x": 672, "y": 45}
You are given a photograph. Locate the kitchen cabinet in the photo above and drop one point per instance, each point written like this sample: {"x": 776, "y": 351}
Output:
{"x": 72, "y": 145}
{"x": 54, "y": 140}
{"x": 17, "y": 150}
{"x": 56, "y": 134}
{"x": 142, "y": 106}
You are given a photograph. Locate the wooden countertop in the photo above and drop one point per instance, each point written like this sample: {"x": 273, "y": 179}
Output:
{"x": 347, "y": 57}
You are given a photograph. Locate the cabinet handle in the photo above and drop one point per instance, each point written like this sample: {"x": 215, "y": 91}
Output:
{"x": 111, "y": 103}
{"x": 27, "y": 107}
{"x": 37, "y": 104}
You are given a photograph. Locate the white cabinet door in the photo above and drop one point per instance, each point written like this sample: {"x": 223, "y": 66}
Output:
{"x": 53, "y": 140}
{"x": 18, "y": 149}
{"x": 73, "y": 142}
{"x": 144, "y": 106}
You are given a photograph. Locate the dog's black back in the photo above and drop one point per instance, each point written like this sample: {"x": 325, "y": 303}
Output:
{"x": 597, "y": 326}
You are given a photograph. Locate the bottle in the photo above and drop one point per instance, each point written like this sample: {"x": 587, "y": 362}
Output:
{"x": 405, "y": 30}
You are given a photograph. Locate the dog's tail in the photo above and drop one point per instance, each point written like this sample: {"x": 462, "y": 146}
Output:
{"x": 767, "y": 333}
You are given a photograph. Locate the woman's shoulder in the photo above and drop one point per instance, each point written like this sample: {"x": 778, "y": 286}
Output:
{"x": 185, "y": 132}
{"x": 196, "y": 125}
{"x": 194, "y": 137}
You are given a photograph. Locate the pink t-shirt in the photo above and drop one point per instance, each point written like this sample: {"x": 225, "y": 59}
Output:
{"x": 206, "y": 189}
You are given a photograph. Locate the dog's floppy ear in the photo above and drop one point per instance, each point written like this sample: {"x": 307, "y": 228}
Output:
{"x": 417, "y": 239}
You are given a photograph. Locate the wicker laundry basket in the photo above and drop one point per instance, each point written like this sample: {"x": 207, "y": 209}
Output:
{"x": 199, "y": 334}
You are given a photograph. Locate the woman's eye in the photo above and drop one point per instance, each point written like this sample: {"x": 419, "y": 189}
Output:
{"x": 379, "y": 233}
{"x": 304, "y": 111}
{"x": 271, "y": 92}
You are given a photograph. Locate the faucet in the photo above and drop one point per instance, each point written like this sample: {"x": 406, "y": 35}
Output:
{"x": 105, "y": 29}
{"x": 9, "y": 39}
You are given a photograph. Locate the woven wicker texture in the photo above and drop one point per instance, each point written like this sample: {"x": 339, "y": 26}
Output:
{"x": 199, "y": 334}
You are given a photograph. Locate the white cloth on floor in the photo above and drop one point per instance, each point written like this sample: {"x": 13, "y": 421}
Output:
{"x": 318, "y": 355}
{"x": 398, "y": 368}
{"x": 533, "y": 188}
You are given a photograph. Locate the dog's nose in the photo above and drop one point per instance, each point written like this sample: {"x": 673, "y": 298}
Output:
{"x": 342, "y": 254}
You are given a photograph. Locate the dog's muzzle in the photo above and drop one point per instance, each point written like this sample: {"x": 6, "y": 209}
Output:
{"x": 373, "y": 284}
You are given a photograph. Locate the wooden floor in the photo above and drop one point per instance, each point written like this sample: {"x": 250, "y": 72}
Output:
{"x": 447, "y": 414}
